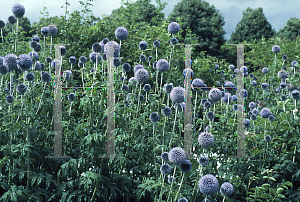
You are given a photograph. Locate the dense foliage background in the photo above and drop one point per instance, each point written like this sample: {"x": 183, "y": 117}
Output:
{"x": 272, "y": 174}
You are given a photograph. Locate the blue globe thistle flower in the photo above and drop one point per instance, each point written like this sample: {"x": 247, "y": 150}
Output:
{"x": 33, "y": 44}
{"x": 154, "y": 117}
{"x": 177, "y": 94}
{"x": 253, "y": 83}
{"x": 264, "y": 86}
{"x": 6, "y": 90}
{"x": 233, "y": 75}
{"x": 154, "y": 65}
{"x": 186, "y": 70}
{"x": 252, "y": 105}
{"x": 105, "y": 40}
{"x": 171, "y": 180}
{"x": 284, "y": 68}
{"x": 295, "y": 94}
{"x": 150, "y": 58}
{"x": 29, "y": 76}
{"x": 206, "y": 139}
{"x": 165, "y": 169}
{"x": 253, "y": 117}
{"x": 226, "y": 189}
{"x": 83, "y": 59}
{"x": 208, "y": 184}
{"x": 38, "y": 48}
{"x": 203, "y": 160}
{"x": 268, "y": 138}
{"x": 246, "y": 122}
{"x": 34, "y": 55}
{"x": 38, "y": 66}
{"x": 217, "y": 66}
{"x": 46, "y": 77}
{"x": 265, "y": 112}
{"x": 122, "y": 78}
{"x": 62, "y": 50}
{"x": 132, "y": 81}
{"x": 283, "y": 97}
{"x": 231, "y": 67}
{"x": 142, "y": 58}
{"x": 22, "y": 88}
{"x": 251, "y": 75}
{"x": 167, "y": 88}
{"x": 284, "y": 57}
{"x": 126, "y": 67}
{"x": 121, "y": 33}
{"x": 141, "y": 75}
{"x": 236, "y": 70}
{"x": 55, "y": 63}
{"x": 210, "y": 115}
{"x": 227, "y": 98}
{"x": 182, "y": 200}
{"x": 162, "y": 65}
{"x": 12, "y": 20}
{"x": 71, "y": 97}
{"x": 229, "y": 86}
{"x": 156, "y": 44}
{"x": 116, "y": 47}
{"x": 234, "y": 98}
{"x": 147, "y": 88}
{"x": 137, "y": 67}
{"x": 197, "y": 84}
{"x": 207, "y": 104}
{"x": 3, "y": 69}
{"x": 2, "y": 24}
{"x": 36, "y": 38}
{"x": 271, "y": 118}
{"x": 48, "y": 59}
{"x": 294, "y": 62}
{"x": 276, "y": 49}
{"x": 255, "y": 78}
{"x": 96, "y": 47}
{"x": 215, "y": 94}
{"x": 67, "y": 75}
{"x": 117, "y": 62}
{"x": 166, "y": 111}
{"x": 177, "y": 155}
{"x": 265, "y": 70}
{"x": 72, "y": 60}
{"x": 203, "y": 101}
{"x": 282, "y": 74}
{"x": 282, "y": 85}
{"x": 10, "y": 61}
{"x": 44, "y": 31}
{"x": 125, "y": 88}
{"x": 9, "y": 99}
{"x": 18, "y": 10}
{"x": 173, "y": 28}
{"x": 164, "y": 156}
{"x": 143, "y": 45}
{"x": 173, "y": 41}
{"x": 141, "y": 97}
{"x": 80, "y": 64}
{"x": 257, "y": 89}
{"x": 186, "y": 166}
{"x": 52, "y": 30}
{"x": 25, "y": 62}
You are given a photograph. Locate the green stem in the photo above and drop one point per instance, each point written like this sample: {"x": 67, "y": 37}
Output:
{"x": 173, "y": 128}
{"x": 179, "y": 187}
{"x": 171, "y": 184}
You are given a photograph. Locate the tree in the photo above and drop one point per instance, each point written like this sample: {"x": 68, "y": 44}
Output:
{"x": 291, "y": 30}
{"x": 253, "y": 26}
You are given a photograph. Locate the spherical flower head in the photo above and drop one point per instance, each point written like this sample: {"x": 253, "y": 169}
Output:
{"x": 283, "y": 97}
{"x": 177, "y": 155}
{"x": 44, "y": 31}
{"x": 207, "y": 104}
{"x": 52, "y": 30}
{"x": 282, "y": 74}
{"x": 132, "y": 81}
{"x": 143, "y": 45}
{"x": 62, "y": 50}
{"x": 265, "y": 112}
{"x": 49, "y": 59}
{"x": 231, "y": 67}
{"x": 294, "y": 62}
{"x": 142, "y": 75}
{"x": 82, "y": 59}
{"x": 197, "y": 84}
{"x": 284, "y": 68}
{"x": 284, "y": 57}
{"x": 271, "y": 118}
{"x": 154, "y": 65}
{"x": 226, "y": 189}
{"x": 182, "y": 200}
{"x": 162, "y": 65}
{"x": 253, "y": 117}
{"x": 234, "y": 98}
{"x": 186, "y": 70}
{"x": 167, "y": 88}
{"x": 10, "y": 61}
{"x": 18, "y": 10}
{"x": 36, "y": 38}
{"x": 165, "y": 169}
{"x": 150, "y": 58}
{"x": 203, "y": 101}
{"x": 186, "y": 166}
{"x": 3, "y": 69}
{"x": 166, "y": 111}
{"x": 246, "y": 122}
{"x": 34, "y": 55}
{"x": 38, "y": 48}
{"x": 227, "y": 98}
{"x": 72, "y": 60}
{"x": 46, "y": 77}
{"x": 264, "y": 86}
{"x": 252, "y": 105}
{"x": 245, "y": 68}
{"x": 147, "y": 88}
{"x": 121, "y": 33}
{"x": 215, "y": 94}
{"x": 154, "y": 117}
{"x": 12, "y": 20}
{"x": 251, "y": 75}
{"x": 71, "y": 97}
{"x": 95, "y": 56}
{"x": 229, "y": 86}
{"x": 276, "y": 49}
{"x": 9, "y": 99}
{"x": 22, "y": 88}
{"x": 67, "y": 75}
{"x": 210, "y": 115}
{"x": 173, "y": 28}
{"x": 265, "y": 70}
{"x": 125, "y": 88}
{"x": 177, "y": 94}
{"x": 255, "y": 111}
{"x": 268, "y": 138}
{"x": 173, "y": 41}
{"x": 156, "y": 44}
{"x": 254, "y": 83}
{"x": 171, "y": 180}
{"x": 116, "y": 47}
{"x": 208, "y": 184}
{"x": 206, "y": 139}
{"x": 25, "y": 62}
{"x": 282, "y": 85}
{"x": 105, "y": 40}
{"x": 126, "y": 67}
{"x": 137, "y": 67}
{"x": 142, "y": 58}
{"x": 203, "y": 160}
{"x": 295, "y": 94}
{"x": 33, "y": 44}
{"x": 164, "y": 156}
{"x": 29, "y": 76}
{"x": 2, "y": 24}
{"x": 96, "y": 47}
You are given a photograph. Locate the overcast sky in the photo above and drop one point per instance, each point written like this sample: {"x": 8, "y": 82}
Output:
{"x": 277, "y": 12}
